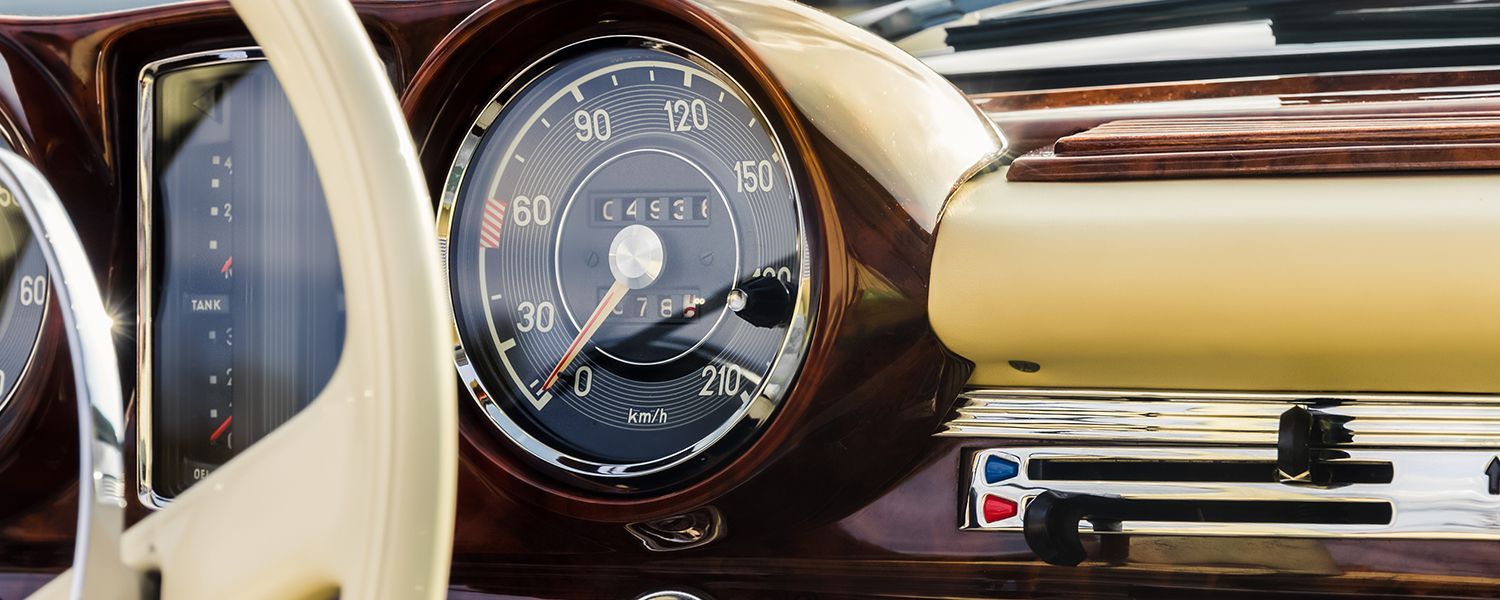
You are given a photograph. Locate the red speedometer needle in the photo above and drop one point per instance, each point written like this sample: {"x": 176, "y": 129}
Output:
{"x": 223, "y": 427}
{"x": 606, "y": 306}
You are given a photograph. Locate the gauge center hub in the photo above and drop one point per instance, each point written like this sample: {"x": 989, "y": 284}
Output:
{"x": 645, "y": 200}
{"x": 635, "y": 256}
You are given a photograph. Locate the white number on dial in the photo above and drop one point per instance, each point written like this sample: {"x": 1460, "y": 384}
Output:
{"x": 33, "y": 290}
{"x": 722, "y": 380}
{"x": 591, "y": 125}
{"x": 583, "y": 381}
{"x": 754, "y": 176}
{"x": 540, "y": 316}
{"x": 536, "y": 209}
{"x": 686, "y": 116}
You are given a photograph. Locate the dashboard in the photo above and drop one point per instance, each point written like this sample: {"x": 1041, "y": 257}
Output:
{"x": 662, "y": 265}
{"x": 744, "y": 300}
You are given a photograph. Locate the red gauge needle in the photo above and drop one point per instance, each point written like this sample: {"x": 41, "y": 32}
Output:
{"x": 223, "y": 427}
{"x": 606, "y": 306}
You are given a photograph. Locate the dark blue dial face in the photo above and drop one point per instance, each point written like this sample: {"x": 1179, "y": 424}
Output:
{"x": 627, "y": 261}
{"x": 23, "y": 273}
{"x": 247, "y": 306}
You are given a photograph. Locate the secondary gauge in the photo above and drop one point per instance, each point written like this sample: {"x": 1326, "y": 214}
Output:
{"x": 23, "y": 273}
{"x": 627, "y": 261}
{"x": 241, "y": 292}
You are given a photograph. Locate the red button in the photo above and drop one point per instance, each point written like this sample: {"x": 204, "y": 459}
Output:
{"x": 998, "y": 509}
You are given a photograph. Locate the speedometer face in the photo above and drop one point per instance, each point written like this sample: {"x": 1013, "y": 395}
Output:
{"x": 23, "y": 273}
{"x": 627, "y": 261}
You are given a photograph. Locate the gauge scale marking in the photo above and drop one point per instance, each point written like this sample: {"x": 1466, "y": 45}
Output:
{"x": 599, "y": 219}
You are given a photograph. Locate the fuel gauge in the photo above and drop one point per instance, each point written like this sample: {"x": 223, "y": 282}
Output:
{"x": 247, "y": 317}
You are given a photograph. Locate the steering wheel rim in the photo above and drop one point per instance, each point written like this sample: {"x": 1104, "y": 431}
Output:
{"x": 96, "y": 380}
{"x": 357, "y": 492}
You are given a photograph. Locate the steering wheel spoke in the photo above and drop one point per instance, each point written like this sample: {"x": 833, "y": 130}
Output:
{"x": 288, "y": 517}
{"x": 355, "y": 494}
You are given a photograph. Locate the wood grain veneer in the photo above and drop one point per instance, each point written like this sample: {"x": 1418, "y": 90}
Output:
{"x": 1268, "y": 145}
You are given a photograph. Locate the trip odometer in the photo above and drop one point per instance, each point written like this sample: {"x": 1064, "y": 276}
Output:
{"x": 627, "y": 262}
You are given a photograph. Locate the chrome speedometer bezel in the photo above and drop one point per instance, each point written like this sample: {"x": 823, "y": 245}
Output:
{"x": 729, "y": 438}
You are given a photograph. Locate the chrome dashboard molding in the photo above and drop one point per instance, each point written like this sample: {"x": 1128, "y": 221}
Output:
{"x": 145, "y": 130}
{"x": 778, "y": 380}
{"x": 1221, "y": 418}
{"x": 1432, "y": 494}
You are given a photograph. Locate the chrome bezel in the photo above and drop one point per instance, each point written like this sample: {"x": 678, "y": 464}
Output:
{"x": 145, "y": 132}
{"x": 777, "y": 382}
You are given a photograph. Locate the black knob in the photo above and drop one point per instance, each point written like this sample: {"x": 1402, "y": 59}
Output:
{"x": 1051, "y": 529}
{"x": 1294, "y": 460}
{"x": 762, "y": 301}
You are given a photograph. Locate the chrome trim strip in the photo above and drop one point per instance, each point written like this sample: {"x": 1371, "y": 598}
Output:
{"x": 1212, "y": 418}
{"x": 1221, "y": 41}
{"x": 144, "y": 177}
{"x": 1433, "y": 494}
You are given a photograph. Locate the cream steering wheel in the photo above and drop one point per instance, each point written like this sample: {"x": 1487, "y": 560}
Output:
{"x": 356, "y": 493}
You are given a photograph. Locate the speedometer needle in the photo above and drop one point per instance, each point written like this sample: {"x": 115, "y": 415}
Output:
{"x": 635, "y": 261}
{"x": 606, "y": 305}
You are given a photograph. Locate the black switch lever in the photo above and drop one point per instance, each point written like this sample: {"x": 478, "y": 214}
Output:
{"x": 1051, "y": 523}
{"x": 1294, "y": 462}
{"x": 1304, "y": 436}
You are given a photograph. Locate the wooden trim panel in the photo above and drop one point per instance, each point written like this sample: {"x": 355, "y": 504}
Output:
{"x": 1317, "y": 89}
{"x": 1276, "y": 145}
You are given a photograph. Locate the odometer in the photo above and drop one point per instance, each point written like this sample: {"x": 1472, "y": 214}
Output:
{"x": 627, "y": 261}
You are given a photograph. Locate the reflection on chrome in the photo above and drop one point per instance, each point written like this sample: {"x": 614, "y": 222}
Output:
{"x": 97, "y": 571}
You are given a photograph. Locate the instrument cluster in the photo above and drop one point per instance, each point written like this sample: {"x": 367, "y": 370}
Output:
{"x": 671, "y": 249}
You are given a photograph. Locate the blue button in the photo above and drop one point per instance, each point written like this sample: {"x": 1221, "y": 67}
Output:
{"x": 997, "y": 469}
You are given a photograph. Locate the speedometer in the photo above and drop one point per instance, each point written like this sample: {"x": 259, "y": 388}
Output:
{"x": 23, "y": 272}
{"x": 627, "y": 262}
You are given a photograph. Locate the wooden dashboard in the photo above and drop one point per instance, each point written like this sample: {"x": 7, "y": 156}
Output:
{"x": 850, "y": 492}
